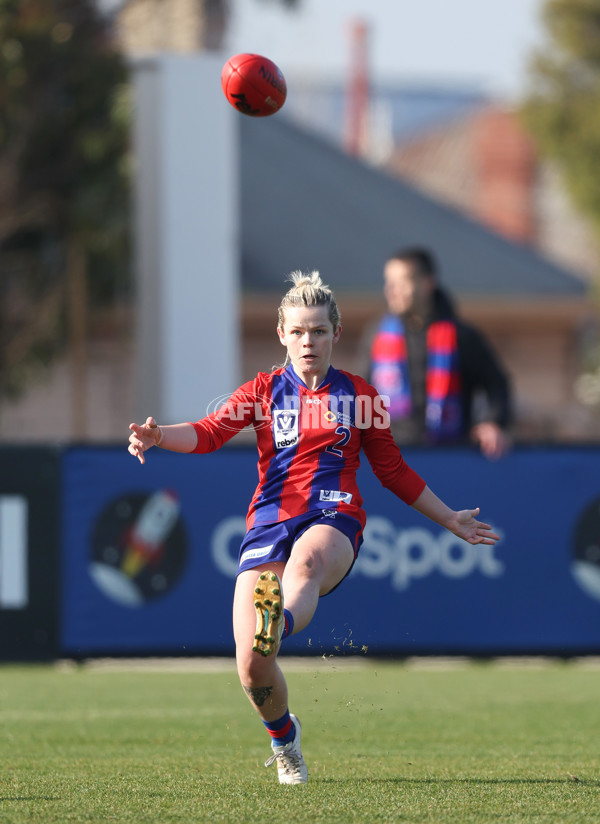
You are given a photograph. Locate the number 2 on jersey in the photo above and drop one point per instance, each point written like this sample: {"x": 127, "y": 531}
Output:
{"x": 344, "y": 431}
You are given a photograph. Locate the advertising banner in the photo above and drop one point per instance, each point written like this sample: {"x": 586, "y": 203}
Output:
{"x": 149, "y": 557}
{"x": 29, "y": 557}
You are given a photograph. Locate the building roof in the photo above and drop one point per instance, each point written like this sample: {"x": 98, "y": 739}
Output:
{"x": 402, "y": 109}
{"x": 305, "y": 204}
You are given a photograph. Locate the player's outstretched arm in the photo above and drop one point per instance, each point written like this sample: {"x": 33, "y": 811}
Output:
{"x": 179, "y": 437}
{"x": 463, "y": 523}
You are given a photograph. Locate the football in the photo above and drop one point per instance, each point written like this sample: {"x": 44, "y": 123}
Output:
{"x": 253, "y": 84}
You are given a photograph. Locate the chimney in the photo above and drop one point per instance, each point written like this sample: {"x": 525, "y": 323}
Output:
{"x": 505, "y": 169}
{"x": 356, "y": 135}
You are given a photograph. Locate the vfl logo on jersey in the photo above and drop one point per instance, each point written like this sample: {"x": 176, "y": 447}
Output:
{"x": 335, "y": 495}
{"x": 285, "y": 427}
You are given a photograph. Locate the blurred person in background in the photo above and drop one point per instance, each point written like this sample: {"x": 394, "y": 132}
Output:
{"x": 444, "y": 383}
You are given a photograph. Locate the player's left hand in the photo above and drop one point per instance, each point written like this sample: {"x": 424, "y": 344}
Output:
{"x": 467, "y": 527}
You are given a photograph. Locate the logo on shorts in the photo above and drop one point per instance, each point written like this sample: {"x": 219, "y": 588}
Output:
{"x": 285, "y": 427}
{"x": 257, "y": 552}
{"x": 335, "y": 495}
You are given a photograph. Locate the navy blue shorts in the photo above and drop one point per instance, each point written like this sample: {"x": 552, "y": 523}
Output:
{"x": 274, "y": 542}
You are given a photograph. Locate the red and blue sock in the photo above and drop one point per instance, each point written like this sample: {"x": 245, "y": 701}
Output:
{"x": 281, "y": 731}
{"x": 289, "y": 624}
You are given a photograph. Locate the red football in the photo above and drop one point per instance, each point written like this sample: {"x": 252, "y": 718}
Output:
{"x": 253, "y": 84}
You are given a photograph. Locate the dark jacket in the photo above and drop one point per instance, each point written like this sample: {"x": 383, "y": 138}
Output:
{"x": 486, "y": 393}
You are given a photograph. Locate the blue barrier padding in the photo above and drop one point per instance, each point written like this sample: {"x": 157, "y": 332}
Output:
{"x": 149, "y": 556}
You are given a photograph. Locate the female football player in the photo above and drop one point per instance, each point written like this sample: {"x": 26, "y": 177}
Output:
{"x": 305, "y": 519}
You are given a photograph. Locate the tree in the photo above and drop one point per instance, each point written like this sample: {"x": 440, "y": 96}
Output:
{"x": 562, "y": 110}
{"x": 64, "y": 194}
{"x": 64, "y": 177}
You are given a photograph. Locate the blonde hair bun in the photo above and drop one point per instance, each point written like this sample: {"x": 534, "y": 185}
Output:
{"x": 308, "y": 289}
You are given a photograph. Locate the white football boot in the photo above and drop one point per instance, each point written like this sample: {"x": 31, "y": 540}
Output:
{"x": 291, "y": 766}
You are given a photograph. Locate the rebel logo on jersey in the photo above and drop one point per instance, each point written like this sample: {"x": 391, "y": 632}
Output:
{"x": 285, "y": 427}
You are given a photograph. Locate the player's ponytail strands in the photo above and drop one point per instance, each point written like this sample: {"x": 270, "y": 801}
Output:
{"x": 309, "y": 290}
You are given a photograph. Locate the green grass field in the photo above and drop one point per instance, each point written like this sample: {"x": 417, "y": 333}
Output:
{"x": 488, "y": 742}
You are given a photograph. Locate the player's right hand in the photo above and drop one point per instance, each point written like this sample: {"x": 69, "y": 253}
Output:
{"x": 143, "y": 437}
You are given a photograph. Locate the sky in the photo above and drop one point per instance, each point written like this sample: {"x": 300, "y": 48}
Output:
{"x": 481, "y": 43}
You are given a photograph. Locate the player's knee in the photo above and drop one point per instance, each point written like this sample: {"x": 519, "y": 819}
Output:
{"x": 306, "y": 565}
{"x": 254, "y": 668}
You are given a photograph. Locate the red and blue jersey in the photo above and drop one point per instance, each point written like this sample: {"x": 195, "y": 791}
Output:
{"x": 309, "y": 443}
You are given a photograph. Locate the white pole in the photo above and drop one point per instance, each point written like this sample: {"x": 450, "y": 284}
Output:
{"x": 187, "y": 256}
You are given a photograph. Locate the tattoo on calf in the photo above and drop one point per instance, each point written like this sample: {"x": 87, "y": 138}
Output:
{"x": 258, "y": 694}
